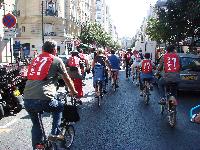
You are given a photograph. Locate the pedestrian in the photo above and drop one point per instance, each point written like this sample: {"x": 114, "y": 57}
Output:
{"x": 40, "y": 90}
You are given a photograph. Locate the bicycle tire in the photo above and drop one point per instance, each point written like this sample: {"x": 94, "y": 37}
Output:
{"x": 162, "y": 108}
{"x": 69, "y": 136}
{"x": 172, "y": 116}
{"x": 99, "y": 89}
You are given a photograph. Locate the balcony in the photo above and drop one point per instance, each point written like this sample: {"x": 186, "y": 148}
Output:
{"x": 50, "y": 34}
{"x": 50, "y": 12}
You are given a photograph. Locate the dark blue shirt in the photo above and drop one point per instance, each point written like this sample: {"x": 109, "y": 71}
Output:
{"x": 114, "y": 62}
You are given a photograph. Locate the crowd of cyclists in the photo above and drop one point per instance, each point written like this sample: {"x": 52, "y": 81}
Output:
{"x": 45, "y": 69}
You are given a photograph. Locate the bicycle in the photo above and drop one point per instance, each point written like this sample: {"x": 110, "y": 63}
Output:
{"x": 146, "y": 90}
{"x": 171, "y": 103}
{"x": 67, "y": 129}
{"x": 99, "y": 87}
{"x": 136, "y": 75}
{"x": 114, "y": 78}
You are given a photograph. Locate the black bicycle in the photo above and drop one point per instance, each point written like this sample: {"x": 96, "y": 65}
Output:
{"x": 114, "y": 79}
{"x": 146, "y": 91}
{"x": 70, "y": 115}
{"x": 171, "y": 103}
{"x": 99, "y": 87}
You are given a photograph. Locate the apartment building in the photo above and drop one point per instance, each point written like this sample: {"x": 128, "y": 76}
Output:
{"x": 62, "y": 21}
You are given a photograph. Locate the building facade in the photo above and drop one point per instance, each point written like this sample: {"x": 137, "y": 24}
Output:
{"x": 5, "y": 41}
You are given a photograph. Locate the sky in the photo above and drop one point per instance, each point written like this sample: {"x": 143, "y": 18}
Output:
{"x": 127, "y": 15}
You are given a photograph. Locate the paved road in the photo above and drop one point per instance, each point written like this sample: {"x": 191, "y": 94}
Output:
{"x": 123, "y": 122}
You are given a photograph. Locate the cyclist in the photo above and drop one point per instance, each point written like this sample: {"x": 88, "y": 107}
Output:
{"x": 114, "y": 62}
{"x": 134, "y": 67}
{"x": 128, "y": 62}
{"x": 169, "y": 66}
{"x": 83, "y": 63}
{"x": 146, "y": 70}
{"x": 103, "y": 61}
{"x": 73, "y": 64}
{"x": 40, "y": 90}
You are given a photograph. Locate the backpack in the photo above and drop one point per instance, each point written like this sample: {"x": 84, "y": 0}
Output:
{"x": 98, "y": 72}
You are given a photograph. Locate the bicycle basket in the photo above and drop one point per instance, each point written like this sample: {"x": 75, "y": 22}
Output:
{"x": 70, "y": 113}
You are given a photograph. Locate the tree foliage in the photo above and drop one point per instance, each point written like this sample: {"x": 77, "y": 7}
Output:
{"x": 174, "y": 21}
{"x": 93, "y": 33}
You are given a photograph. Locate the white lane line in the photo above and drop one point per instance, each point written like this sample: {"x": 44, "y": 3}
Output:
{"x": 9, "y": 124}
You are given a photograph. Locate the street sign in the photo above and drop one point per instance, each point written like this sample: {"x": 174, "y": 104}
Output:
{"x": 9, "y": 20}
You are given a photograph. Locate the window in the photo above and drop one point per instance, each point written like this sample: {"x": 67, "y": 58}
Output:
{"x": 190, "y": 63}
{"x": 23, "y": 29}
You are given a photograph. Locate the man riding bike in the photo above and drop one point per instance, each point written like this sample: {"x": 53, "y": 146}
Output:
{"x": 103, "y": 61}
{"x": 40, "y": 90}
{"x": 128, "y": 62}
{"x": 134, "y": 67}
{"x": 169, "y": 68}
{"x": 114, "y": 62}
{"x": 146, "y": 71}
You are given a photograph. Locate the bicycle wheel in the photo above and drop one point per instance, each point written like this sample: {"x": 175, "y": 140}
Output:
{"x": 146, "y": 96}
{"x": 100, "y": 95}
{"x": 162, "y": 108}
{"x": 69, "y": 136}
{"x": 172, "y": 116}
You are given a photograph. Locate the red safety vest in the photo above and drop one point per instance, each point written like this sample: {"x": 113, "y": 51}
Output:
{"x": 146, "y": 66}
{"x": 171, "y": 63}
{"x": 73, "y": 61}
{"x": 82, "y": 56}
{"x": 39, "y": 67}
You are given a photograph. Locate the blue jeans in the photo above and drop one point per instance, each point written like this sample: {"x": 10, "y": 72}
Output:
{"x": 34, "y": 106}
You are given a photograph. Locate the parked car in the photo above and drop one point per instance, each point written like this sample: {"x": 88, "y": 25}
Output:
{"x": 189, "y": 77}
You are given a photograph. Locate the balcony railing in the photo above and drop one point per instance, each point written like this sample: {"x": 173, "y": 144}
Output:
{"x": 49, "y": 12}
{"x": 50, "y": 34}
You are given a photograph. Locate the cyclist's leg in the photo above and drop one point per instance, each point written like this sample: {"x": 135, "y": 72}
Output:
{"x": 127, "y": 69}
{"x": 36, "y": 130}
{"x": 161, "y": 89}
{"x": 56, "y": 108}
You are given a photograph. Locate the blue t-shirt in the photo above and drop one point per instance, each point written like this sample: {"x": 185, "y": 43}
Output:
{"x": 114, "y": 62}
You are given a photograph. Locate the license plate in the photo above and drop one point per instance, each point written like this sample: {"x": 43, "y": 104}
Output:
{"x": 188, "y": 77}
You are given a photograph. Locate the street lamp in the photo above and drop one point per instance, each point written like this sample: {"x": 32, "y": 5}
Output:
{"x": 42, "y": 22}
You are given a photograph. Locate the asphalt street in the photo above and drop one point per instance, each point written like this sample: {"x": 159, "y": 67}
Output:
{"x": 123, "y": 122}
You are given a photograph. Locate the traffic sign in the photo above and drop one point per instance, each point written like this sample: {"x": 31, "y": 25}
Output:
{"x": 9, "y": 20}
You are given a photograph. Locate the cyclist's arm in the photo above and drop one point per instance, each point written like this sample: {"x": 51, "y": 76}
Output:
{"x": 160, "y": 65}
{"x": 69, "y": 83}
{"x": 62, "y": 70}
{"x": 108, "y": 64}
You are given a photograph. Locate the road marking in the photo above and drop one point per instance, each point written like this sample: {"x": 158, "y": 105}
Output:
{"x": 9, "y": 124}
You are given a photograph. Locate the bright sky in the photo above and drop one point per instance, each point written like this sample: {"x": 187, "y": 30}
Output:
{"x": 128, "y": 15}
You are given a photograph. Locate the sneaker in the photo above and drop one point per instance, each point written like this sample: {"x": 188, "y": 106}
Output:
{"x": 55, "y": 137}
{"x": 162, "y": 101}
{"x": 141, "y": 93}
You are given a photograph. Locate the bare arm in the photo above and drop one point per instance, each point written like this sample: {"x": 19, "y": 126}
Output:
{"x": 69, "y": 83}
